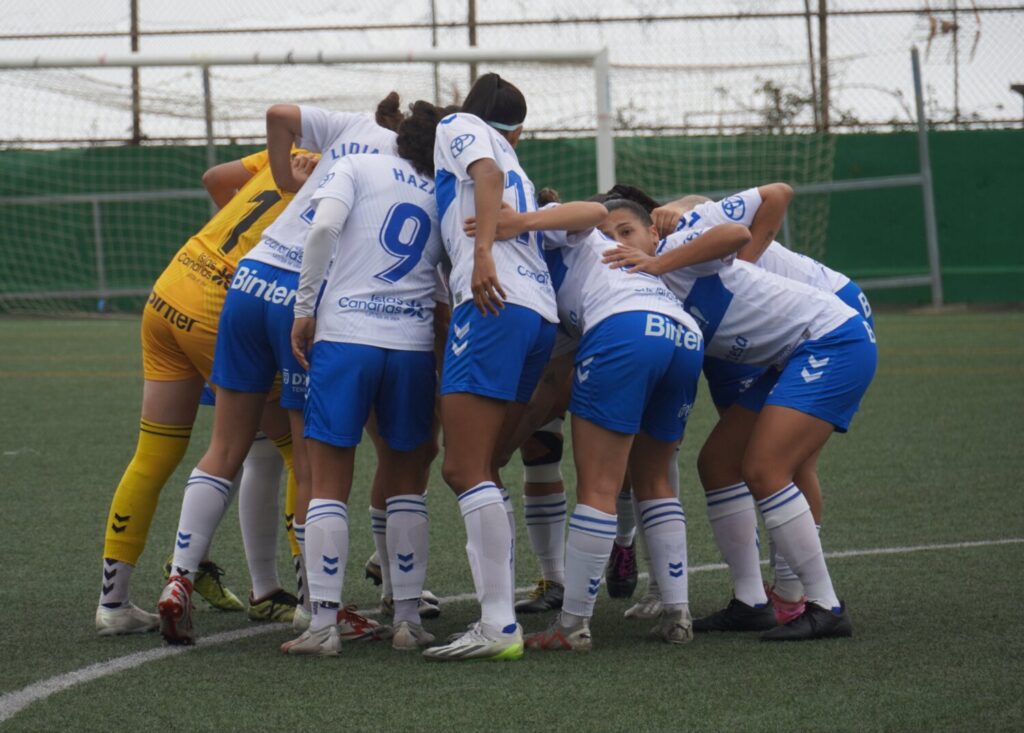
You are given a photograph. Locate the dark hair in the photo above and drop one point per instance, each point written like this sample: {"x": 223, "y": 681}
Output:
{"x": 632, "y": 207}
{"x": 634, "y": 194}
{"x": 493, "y": 99}
{"x": 416, "y": 135}
{"x": 389, "y": 112}
{"x": 548, "y": 196}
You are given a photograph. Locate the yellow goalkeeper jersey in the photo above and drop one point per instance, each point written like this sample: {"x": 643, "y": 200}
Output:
{"x": 197, "y": 279}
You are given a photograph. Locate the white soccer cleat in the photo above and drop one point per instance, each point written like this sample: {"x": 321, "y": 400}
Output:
{"x": 129, "y": 619}
{"x": 324, "y": 642}
{"x": 480, "y": 642}
{"x": 409, "y": 636}
{"x": 575, "y": 638}
{"x": 429, "y": 605}
{"x": 175, "y": 607}
{"x": 301, "y": 619}
{"x": 647, "y": 608}
{"x": 354, "y": 627}
{"x": 674, "y": 627}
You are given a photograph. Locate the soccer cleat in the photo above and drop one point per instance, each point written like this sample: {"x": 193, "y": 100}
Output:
{"x": 547, "y": 596}
{"x": 737, "y": 616}
{"x": 301, "y": 619}
{"x": 428, "y": 607}
{"x": 208, "y": 585}
{"x": 559, "y": 638}
{"x": 175, "y": 606}
{"x": 353, "y": 627}
{"x": 674, "y": 627}
{"x": 325, "y": 642}
{"x": 408, "y": 636}
{"x": 621, "y": 574}
{"x": 373, "y": 571}
{"x": 128, "y": 619}
{"x": 278, "y": 606}
{"x": 814, "y": 623}
{"x": 647, "y": 608}
{"x": 785, "y": 611}
{"x": 480, "y": 642}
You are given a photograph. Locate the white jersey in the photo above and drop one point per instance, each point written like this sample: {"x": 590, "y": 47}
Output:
{"x": 749, "y": 315}
{"x": 461, "y": 140}
{"x": 334, "y": 135}
{"x": 740, "y": 208}
{"x": 382, "y": 285}
{"x": 588, "y": 291}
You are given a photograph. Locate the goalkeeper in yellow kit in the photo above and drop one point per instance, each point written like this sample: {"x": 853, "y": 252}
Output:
{"x": 179, "y": 330}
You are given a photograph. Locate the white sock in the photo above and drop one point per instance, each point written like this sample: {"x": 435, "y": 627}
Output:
{"x": 488, "y": 547}
{"x": 625, "y": 519}
{"x": 545, "y": 525}
{"x": 326, "y": 550}
{"x": 379, "y": 525}
{"x": 510, "y": 514}
{"x": 665, "y": 530}
{"x": 299, "y": 561}
{"x": 591, "y": 534}
{"x": 734, "y": 526}
{"x": 791, "y": 526}
{"x": 117, "y": 578}
{"x": 407, "y": 552}
{"x": 258, "y": 514}
{"x": 203, "y": 506}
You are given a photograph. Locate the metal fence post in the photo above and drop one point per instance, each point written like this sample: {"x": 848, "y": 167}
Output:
{"x": 931, "y": 229}
{"x": 101, "y": 266}
{"x": 605, "y": 144}
{"x": 211, "y": 149}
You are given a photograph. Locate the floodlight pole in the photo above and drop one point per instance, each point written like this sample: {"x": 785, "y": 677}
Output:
{"x": 931, "y": 229}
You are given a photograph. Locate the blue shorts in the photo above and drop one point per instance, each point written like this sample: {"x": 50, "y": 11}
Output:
{"x": 499, "y": 356}
{"x": 637, "y": 371}
{"x": 727, "y": 379}
{"x": 254, "y": 336}
{"x": 853, "y": 296}
{"x": 825, "y": 378}
{"x": 207, "y": 398}
{"x": 347, "y": 380}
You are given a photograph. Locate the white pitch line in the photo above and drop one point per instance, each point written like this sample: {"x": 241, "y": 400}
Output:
{"x": 12, "y": 703}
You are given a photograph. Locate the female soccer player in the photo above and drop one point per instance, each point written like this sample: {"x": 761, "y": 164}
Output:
{"x": 635, "y": 380}
{"x": 179, "y": 327}
{"x": 822, "y": 356}
{"x": 501, "y": 333}
{"x": 254, "y": 344}
{"x": 370, "y": 346}
{"x": 762, "y": 209}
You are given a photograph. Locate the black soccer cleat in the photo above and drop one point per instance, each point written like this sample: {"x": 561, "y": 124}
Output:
{"x": 547, "y": 596}
{"x": 814, "y": 623}
{"x": 621, "y": 574}
{"x": 737, "y": 616}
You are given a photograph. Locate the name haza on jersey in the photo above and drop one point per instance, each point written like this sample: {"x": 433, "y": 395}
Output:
{"x": 336, "y": 135}
{"x": 462, "y": 139}
{"x": 392, "y": 278}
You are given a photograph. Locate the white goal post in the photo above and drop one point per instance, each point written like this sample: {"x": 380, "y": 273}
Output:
{"x": 597, "y": 58}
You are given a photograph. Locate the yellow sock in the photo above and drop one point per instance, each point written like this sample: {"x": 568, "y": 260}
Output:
{"x": 284, "y": 447}
{"x": 158, "y": 453}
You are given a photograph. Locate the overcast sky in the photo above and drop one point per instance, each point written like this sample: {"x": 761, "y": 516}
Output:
{"x": 666, "y": 73}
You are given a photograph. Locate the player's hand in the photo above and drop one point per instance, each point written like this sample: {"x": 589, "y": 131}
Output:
{"x": 666, "y": 218}
{"x": 509, "y": 223}
{"x": 630, "y": 259}
{"x": 488, "y": 295}
{"x": 303, "y": 331}
{"x": 302, "y": 167}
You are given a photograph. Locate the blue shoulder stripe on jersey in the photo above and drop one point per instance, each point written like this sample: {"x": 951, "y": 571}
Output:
{"x": 707, "y": 302}
{"x": 444, "y": 192}
{"x": 556, "y": 266}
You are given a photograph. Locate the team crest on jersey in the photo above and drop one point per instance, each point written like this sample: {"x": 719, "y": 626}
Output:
{"x": 462, "y": 142}
{"x": 734, "y": 207}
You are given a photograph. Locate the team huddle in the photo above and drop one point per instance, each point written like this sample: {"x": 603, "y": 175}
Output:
{"x": 399, "y": 274}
